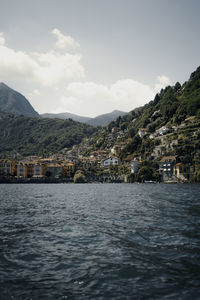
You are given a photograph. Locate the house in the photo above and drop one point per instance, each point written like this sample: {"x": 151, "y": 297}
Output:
{"x": 111, "y": 161}
{"x": 39, "y": 170}
{"x": 69, "y": 169}
{"x": 25, "y": 169}
{"x": 158, "y": 151}
{"x": 166, "y": 168}
{"x": 54, "y": 170}
{"x": 115, "y": 129}
{"x": 21, "y": 170}
{"x": 117, "y": 148}
{"x": 7, "y": 167}
{"x": 142, "y": 132}
{"x": 182, "y": 172}
{"x": 163, "y": 130}
{"x": 152, "y": 136}
{"x": 134, "y": 166}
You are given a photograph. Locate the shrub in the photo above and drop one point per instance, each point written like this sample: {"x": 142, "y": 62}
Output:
{"x": 79, "y": 178}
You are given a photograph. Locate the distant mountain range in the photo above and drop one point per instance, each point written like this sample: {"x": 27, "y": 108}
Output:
{"x": 169, "y": 125}
{"x": 100, "y": 120}
{"x": 15, "y": 103}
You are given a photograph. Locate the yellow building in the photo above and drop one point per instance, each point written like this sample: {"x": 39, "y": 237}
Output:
{"x": 182, "y": 172}
{"x": 39, "y": 170}
{"x": 7, "y": 167}
{"x": 69, "y": 169}
{"x": 25, "y": 169}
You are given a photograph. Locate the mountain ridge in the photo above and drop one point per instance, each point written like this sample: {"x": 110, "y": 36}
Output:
{"x": 100, "y": 120}
{"x": 13, "y": 102}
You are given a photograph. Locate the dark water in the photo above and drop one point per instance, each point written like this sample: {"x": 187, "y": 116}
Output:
{"x": 98, "y": 241}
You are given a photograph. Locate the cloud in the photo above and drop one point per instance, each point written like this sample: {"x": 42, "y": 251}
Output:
{"x": 47, "y": 68}
{"x": 55, "y": 68}
{"x": 89, "y": 98}
{"x": 162, "y": 81}
{"x": 35, "y": 92}
{"x": 62, "y": 83}
{"x": 63, "y": 41}
{"x": 2, "y": 39}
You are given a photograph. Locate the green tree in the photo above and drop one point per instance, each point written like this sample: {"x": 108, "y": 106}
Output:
{"x": 79, "y": 178}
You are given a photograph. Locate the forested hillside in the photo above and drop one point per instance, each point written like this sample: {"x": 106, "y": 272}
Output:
{"x": 34, "y": 136}
{"x": 175, "y": 111}
{"x": 15, "y": 103}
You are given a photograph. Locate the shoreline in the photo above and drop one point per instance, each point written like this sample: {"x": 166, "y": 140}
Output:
{"x": 70, "y": 180}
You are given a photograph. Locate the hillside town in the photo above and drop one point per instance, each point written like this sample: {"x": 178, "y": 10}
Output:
{"x": 99, "y": 158}
{"x": 108, "y": 169}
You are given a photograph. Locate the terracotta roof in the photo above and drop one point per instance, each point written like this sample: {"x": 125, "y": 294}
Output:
{"x": 168, "y": 158}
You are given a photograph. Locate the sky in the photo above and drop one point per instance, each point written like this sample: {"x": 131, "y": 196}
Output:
{"x": 89, "y": 57}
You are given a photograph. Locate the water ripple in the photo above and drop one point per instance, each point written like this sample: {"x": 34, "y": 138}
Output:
{"x": 99, "y": 242}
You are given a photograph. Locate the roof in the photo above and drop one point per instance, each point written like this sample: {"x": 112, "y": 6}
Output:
{"x": 54, "y": 166}
{"x": 143, "y": 129}
{"x": 179, "y": 164}
{"x": 168, "y": 158}
{"x": 113, "y": 157}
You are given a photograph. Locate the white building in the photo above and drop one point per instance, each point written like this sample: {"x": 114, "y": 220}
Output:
{"x": 142, "y": 132}
{"x": 111, "y": 161}
{"x": 163, "y": 130}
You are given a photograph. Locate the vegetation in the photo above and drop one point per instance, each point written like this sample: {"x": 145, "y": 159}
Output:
{"x": 147, "y": 171}
{"x": 79, "y": 177}
{"x": 34, "y": 136}
{"x": 172, "y": 107}
{"x": 177, "y": 108}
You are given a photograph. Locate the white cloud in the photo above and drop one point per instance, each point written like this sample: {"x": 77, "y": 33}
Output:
{"x": 62, "y": 84}
{"x": 2, "y": 39}
{"x": 162, "y": 81}
{"x": 90, "y": 98}
{"x": 35, "y": 92}
{"x": 63, "y": 41}
{"x": 46, "y": 68}
{"x": 55, "y": 68}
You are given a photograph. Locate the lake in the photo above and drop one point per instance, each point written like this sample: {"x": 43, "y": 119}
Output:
{"x": 99, "y": 241}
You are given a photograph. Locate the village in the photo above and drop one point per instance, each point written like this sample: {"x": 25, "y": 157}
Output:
{"x": 99, "y": 158}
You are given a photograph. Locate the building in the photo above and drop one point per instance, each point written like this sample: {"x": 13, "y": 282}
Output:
{"x": 7, "y": 168}
{"x": 166, "y": 168}
{"x": 69, "y": 169}
{"x": 54, "y": 170}
{"x": 182, "y": 172}
{"x": 111, "y": 161}
{"x": 117, "y": 148}
{"x": 134, "y": 166}
{"x": 142, "y": 132}
{"x": 25, "y": 169}
{"x": 39, "y": 170}
{"x": 163, "y": 130}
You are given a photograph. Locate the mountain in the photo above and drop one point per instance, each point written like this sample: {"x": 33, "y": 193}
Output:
{"x": 167, "y": 125}
{"x": 100, "y": 120}
{"x": 105, "y": 119}
{"x": 66, "y": 115}
{"x": 37, "y": 136}
{"x": 14, "y": 102}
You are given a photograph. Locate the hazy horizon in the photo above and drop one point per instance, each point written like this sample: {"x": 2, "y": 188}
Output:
{"x": 92, "y": 57}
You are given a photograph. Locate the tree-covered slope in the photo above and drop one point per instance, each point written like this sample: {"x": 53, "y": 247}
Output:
{"x": 175, "y": 107}
{"x": 34, "y": 136}
{"x": 15, "y": 103}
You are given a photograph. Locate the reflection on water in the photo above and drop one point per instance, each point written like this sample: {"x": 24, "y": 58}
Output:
{"x": 96, "y": 241}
